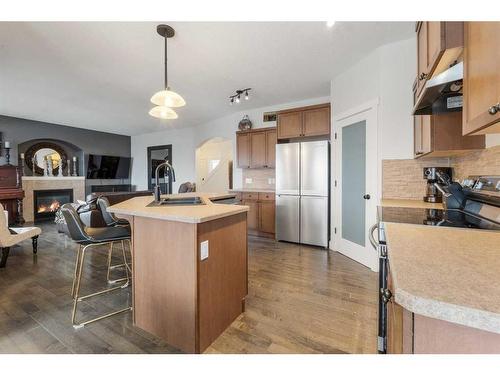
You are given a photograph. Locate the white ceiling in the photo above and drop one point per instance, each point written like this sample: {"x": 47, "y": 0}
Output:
{"x": 101, "y": 75}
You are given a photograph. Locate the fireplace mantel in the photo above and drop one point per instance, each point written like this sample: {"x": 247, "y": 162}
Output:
{"x": 32, "y": 183}
{"x": 52, "y": 178}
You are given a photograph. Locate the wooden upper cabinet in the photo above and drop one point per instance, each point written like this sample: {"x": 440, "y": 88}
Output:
{"x": 481, "y": 110}
{"x": 289, "y": 125}
{"x": 434, "y": 43}
{"x": 316, "y": 122}
{"x": 422, "y": 61}
{"x": 312, "y": 121}
{"x": 426, "y": 134}
{"x": 271, "y": 148}
{"x": 441, "y": 136}
{"x": 243, "y": 150}
{"x": 258, "y": 152}
{"x": 439, "y": 44}
{"x": 256, "y": 148}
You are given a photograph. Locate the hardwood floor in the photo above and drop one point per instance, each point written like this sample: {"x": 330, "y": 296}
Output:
{"x": 301, "y": 300}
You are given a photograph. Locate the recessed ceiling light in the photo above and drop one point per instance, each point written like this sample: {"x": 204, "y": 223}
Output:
{"x": 330, "y": 23}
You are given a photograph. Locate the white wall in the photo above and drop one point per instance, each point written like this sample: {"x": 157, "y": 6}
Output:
{"x": 185, "y": 141}
{"x": 386, "y": 74}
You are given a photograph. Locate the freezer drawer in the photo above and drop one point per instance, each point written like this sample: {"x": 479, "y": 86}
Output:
{"x": 288, "y": 168}
{"x": 314, "y": 220}
{"x": 287, "y": 218}
{"x": 314, "y": 174}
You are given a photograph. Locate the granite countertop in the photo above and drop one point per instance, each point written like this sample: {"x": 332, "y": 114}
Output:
{"x": 452, "y": 274}
{"x": 251, "y": 190}
{"x": 409, "y": 203}
{"x": 138, "y": 206}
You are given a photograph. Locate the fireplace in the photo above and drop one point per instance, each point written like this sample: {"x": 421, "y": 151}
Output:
{"x": 47, "y": 202}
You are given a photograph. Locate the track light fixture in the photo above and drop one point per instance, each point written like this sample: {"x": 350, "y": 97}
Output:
{"x": 236, "y": 98}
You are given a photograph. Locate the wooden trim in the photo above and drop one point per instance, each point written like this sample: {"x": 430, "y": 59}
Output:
{"x": 299, "y": 109}
{"x": 257, "y": 130}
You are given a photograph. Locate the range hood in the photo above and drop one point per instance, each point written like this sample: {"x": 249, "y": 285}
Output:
{"x": 442, "y": 93}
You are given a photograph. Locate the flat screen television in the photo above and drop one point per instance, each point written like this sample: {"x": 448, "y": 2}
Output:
{"x": 107, "y": 167}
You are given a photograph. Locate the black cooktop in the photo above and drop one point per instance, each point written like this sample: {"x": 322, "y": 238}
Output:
{"x": 437, "y": 217}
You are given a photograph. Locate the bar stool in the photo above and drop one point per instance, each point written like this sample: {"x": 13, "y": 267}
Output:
{"x": 111, "y": 221}
{"x": 88, "y": 238}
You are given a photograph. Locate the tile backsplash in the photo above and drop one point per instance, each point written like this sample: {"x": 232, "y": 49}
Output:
{"x": 259, "y": 179}
{"x": 402, "y": 179}
{"x": 483, "y": 162}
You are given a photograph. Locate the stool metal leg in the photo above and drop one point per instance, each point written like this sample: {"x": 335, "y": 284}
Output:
{"x": 77, "y": 263}
{"x": 77, "y": 298}
{"x": 112, "y": 267}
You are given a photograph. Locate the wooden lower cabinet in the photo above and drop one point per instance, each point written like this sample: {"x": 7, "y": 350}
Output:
{"x": 252, "y": 214}
{"x": 410, "y": 333}
{"x": 262, "y": 214}
{"x": 267, "y": 216}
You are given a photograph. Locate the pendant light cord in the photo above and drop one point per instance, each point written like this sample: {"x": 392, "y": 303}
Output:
{"x": 166, "y": 70}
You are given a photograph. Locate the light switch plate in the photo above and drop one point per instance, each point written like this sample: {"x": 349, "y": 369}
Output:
{"x": 204, "y": 250}
{"x": 248, "y": 180}
{"x": 271, "y": 181}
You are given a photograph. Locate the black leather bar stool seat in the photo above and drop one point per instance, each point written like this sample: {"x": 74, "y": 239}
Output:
{"x": 87, "y": 239}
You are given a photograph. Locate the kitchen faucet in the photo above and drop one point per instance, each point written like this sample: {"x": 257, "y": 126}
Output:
{"x": 157, "y": 190}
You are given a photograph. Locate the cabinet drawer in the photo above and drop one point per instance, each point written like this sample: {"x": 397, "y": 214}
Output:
{"x": 250, "y": 196}
{"x": 266, "y": 196}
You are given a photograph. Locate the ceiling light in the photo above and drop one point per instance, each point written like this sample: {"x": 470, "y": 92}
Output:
{"x": 166, "y": 99}
{"x": 237, "y": 97}
{"x": 330, "y": 23}
{"x": 162, "y": 112}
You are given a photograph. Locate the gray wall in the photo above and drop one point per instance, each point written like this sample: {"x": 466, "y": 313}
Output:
{"x": 22, "y": 131}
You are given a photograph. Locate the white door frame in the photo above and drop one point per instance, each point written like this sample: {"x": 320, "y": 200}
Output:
{"x": 368, "y": 112}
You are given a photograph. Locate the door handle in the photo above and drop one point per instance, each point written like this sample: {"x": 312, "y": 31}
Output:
{"x": 366, "y": 196}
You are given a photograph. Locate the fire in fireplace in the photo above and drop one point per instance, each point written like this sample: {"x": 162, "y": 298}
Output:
{"x": 47, "y": 202}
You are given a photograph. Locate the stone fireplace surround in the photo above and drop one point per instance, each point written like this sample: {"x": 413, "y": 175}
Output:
{"x": 30, "y": 184}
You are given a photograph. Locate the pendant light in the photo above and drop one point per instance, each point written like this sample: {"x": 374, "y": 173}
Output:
{"x": 166, "y": 99}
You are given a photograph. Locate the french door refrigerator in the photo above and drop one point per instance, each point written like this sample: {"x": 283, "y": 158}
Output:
{"x": 302, "y": 192}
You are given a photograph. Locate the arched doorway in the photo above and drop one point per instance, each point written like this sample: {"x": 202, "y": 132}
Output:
{"x": 214, "y": 165}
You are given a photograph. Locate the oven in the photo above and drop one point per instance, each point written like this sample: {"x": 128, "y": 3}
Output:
{"x": 384, "y": 294}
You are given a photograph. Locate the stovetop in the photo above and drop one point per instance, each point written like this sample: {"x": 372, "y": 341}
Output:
{"x": 435, "y": 217}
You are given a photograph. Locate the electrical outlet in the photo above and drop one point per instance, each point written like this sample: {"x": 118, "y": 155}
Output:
{"x": 204, "y": 250}
{"x": 248, "y": 180}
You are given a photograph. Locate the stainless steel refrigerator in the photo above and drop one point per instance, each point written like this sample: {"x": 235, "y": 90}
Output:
{"x": 302, "y": 192}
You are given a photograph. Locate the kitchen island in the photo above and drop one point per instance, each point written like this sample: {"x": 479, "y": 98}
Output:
{"x": 445, "y": 285}
{"x": 189, "y": 273}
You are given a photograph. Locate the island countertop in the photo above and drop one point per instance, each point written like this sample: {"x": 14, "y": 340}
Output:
{"x": 138, "y": 206}
{"x": 451, "y": 274}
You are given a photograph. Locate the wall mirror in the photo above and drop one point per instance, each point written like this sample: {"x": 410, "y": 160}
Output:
{"x": 41, "y": 154}
{"x": 156, "y": 156}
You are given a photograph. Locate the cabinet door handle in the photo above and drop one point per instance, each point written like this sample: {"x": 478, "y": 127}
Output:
{"x": 494, "y": 109}
{"x": 422, "y": 76}
{"x": 419, "y": 153}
